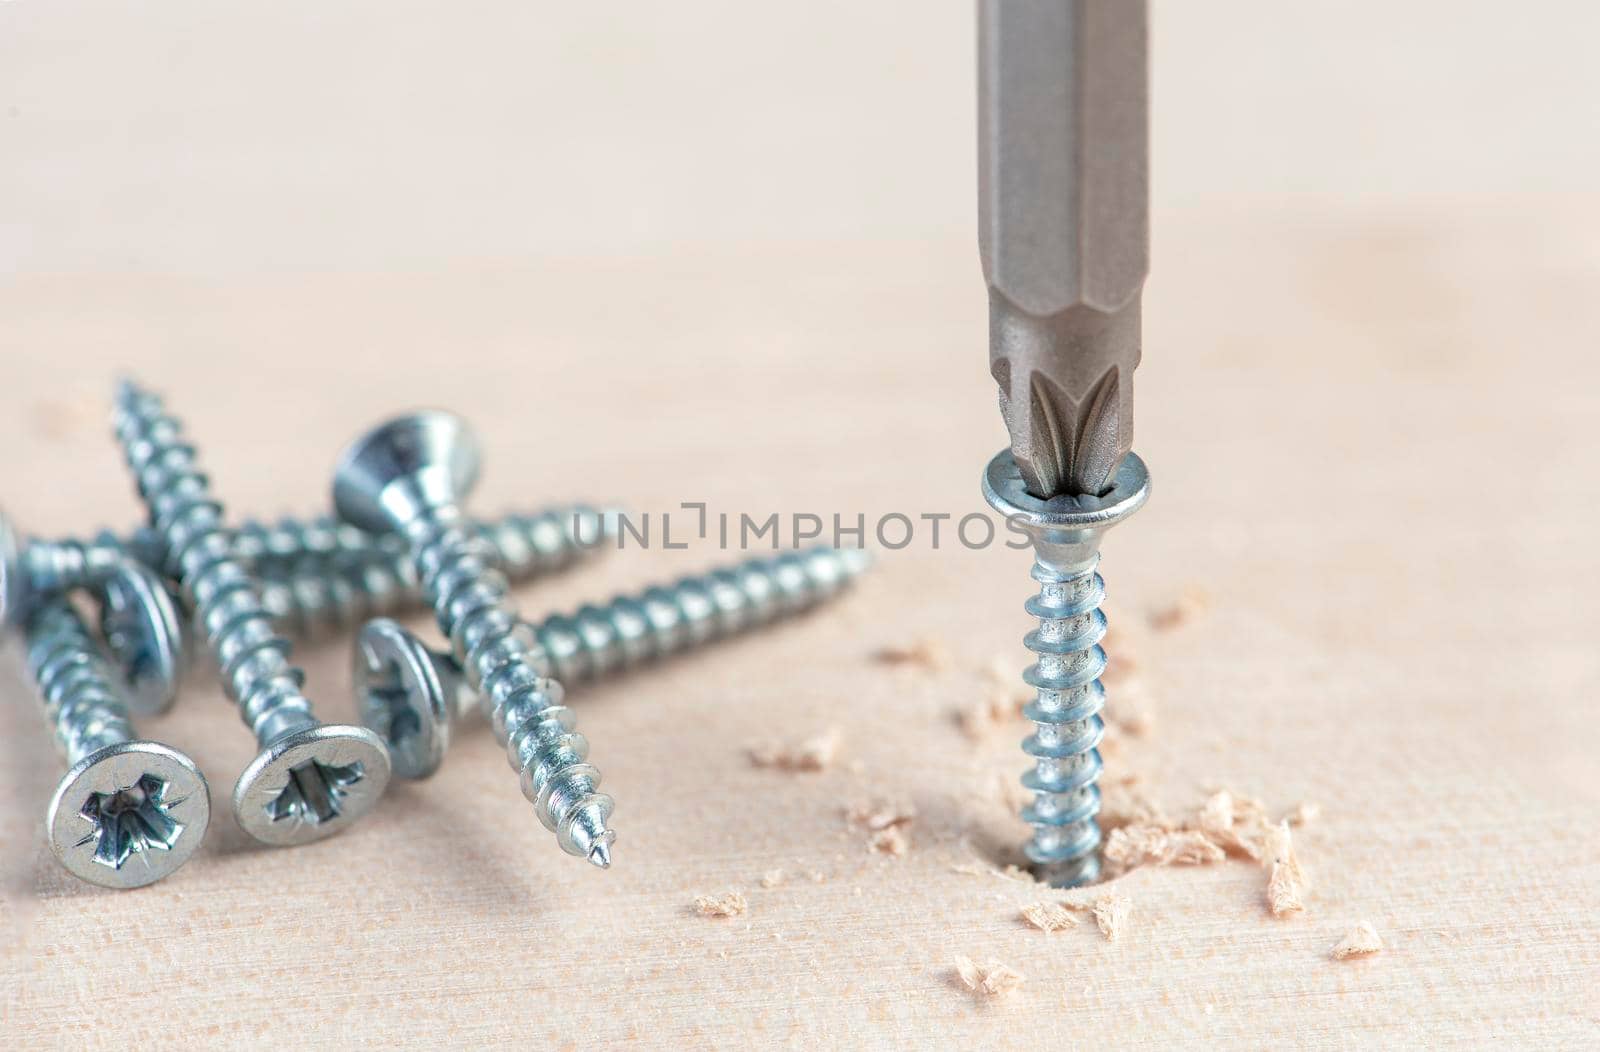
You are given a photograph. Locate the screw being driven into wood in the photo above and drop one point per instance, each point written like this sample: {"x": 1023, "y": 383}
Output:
{"x": 415, "y": 697}
{"x": 311, "y": 779}
{"x": 1068, "y": 696}
{"x": 409, "y": 475}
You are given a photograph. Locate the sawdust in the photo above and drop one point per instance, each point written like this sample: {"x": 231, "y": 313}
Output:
{"x": 927, "y": 653}
{"x": 731, "y": 903}
{"x": 994, "y": 710}
{"x": 1286, "y": 883}
{"x": 1192, "y": 603}
{"x": 892, "y": 842}
{"x": 1237, "y": 824}
{"x": 992, "y": 981}
{"x": 1111, "y": 913}
{"x": 886, "y": 823}
{"x": 1049, "y": 916}
{"x": 1225, "y": 825}
{"x": 1304, "y": 814}
{"x": 1132, "y": 846}
{"x": 772, "y": 878}
{"x": 815, "y": 753}
{"x": 1361, "y": 941}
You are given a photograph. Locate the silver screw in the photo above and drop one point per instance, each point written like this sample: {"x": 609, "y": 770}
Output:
{"x": 408, "y": 476}
{"x": 330, "y": 585}
{"x": 138, "y": 619}
{"x": 415, "y": 697}
{"x": 1066, "y": 708}
{"x": 127, "y": 812}
{"x": 311, "y": 779}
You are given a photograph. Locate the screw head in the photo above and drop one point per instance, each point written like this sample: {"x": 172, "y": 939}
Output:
{"x": 403, "y": 695}
{"x": 403, "y": 467}
{"x": 129, "y": 814}
{"x": 139, "y": 622}
{"x": 311, "y": 784}
{"x": 13, "y": 582}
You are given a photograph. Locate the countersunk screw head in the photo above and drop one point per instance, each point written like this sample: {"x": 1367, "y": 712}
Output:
{"x": 403, "y": 693}
{"x": 311, "y": 784}
{"x": 140, "y": 625}
{"x": 129, "y": 814}
{"x": 13, "y": 583}
{"x": 416, "y": 461}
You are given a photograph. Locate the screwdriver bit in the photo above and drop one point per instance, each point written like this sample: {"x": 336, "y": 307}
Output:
{"x": 1063, "y": 229}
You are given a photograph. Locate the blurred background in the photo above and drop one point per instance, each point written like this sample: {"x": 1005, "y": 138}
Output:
{"x": 180, "y": 138}
{"x": 725, "y": 251}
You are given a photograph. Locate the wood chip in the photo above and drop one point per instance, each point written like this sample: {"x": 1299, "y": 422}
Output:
{"x": 1286, "y": 882}
{"x": 815, "y": 753}
{"x": 886, "y": 823}
{"x": 997, "y": 708}
{"x": 1111, "y": 913}
{"x": 1049, "y": 916}
{"x": 928, "y": 654}
{"x": 1361, "y": 941}
{"x": 991, "y": 981}
{"x": 1192, "y": 603}
{"x": 731, "y": 903}
{"x": 892, "y": 841}
{"x": 1129, "y": 847}
{"x": 772, "y": 878}
{"x": 1304, "y": 814}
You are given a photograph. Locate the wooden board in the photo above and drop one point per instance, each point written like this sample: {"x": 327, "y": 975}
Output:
{"x": 1371, "y": 425}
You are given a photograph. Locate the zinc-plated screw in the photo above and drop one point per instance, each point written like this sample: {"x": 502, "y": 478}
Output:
{"x": 335, "y": 576}
{"x": 415, "y": 697}
{"x": 311, "y": 779}
{"x": 127, "y": 812}
{"x": 138, "y": 619}
{"x": 1066, "y": 675}
{"x": 408, "y": 475}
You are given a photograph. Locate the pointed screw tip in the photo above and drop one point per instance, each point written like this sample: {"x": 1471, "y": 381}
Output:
{"x": 600, "y": 854}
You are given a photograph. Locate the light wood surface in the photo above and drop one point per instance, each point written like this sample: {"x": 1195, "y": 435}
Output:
{"x": 1371, "y": 426}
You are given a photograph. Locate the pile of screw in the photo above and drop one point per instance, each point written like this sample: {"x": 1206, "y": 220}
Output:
{"x": 130, "y": 811}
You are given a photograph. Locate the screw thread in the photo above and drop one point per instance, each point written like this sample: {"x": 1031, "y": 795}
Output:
{"x": 200, "y": 553}
{"x": 633, "y": 629}
{"x": 455, "y": 566}
{"x": 321, "y": 576}
{"x": 66, "y": 565}
{"x": 1065, "y": 712}
{"x": 81, "y": 699}
{"x": 525, "y": 544}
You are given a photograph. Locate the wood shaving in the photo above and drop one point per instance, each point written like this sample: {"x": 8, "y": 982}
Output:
{"x": 1049, "y": 916}
{"x": 892, "y": 841}
{"x": 772, "y": 878}
{"x": 1361, "y": 941}
{"x": 1286, "y": 882}
{"x": 1111, "y": 913}
{"x": 1237, "y": 824}
{"x": 1304, "y": 814}
{"x": 926, "y": 653}
{"x": 731, "y": 903}
{"x": 1129, "y": 847}
{"x": 991, "y": 981}
{"x": 815, "y": 753}
{"x": 994, "y": 710}
{"x": 886, "y": 822}
{"x": 1192, "y": 603}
